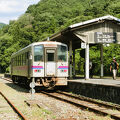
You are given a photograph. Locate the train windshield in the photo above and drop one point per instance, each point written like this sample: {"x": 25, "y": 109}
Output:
{"x": 38, "y": 53}
{"x": 62, "y": 53}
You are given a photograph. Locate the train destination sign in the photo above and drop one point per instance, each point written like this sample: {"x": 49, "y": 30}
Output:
{"x": 105, "y": 37}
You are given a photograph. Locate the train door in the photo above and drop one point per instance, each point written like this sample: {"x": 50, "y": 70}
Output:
{"x": 50, "y": 62}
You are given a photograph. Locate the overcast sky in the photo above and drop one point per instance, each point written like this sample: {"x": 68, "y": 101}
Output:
{"x": 12, "y": 9}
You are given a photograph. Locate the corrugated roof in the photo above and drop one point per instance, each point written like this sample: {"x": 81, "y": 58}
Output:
{"x": 108, "y": 17}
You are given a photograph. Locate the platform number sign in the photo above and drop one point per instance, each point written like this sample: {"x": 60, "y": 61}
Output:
{"x": 105, "y": 37}
{"x": 83, "y": 45}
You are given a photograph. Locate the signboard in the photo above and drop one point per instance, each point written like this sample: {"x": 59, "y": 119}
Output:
{"x": 105, "y": 37}
{"x": 83, "y": 45}
{"x": 50, "y": 45}
{"x": 50, "y": 51}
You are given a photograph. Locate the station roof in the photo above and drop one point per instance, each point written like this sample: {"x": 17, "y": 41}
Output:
{"x": 67, "y": 34}
{"x": 108, "y": 17}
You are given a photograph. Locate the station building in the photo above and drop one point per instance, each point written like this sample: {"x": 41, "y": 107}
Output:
{"x": 102, "y": 30}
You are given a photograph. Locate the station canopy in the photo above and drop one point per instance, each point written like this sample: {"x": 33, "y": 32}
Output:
{"x": 100, "y": 30}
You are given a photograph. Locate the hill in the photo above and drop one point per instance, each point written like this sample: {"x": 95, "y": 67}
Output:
{"x": 1, "y": 25}
{"x": 50, "y": 16}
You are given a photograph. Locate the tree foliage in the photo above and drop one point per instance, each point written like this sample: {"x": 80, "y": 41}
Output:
{"x": 50, "y": 16}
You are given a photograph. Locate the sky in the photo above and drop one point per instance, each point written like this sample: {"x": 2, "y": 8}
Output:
{"x": 13, "y": 9}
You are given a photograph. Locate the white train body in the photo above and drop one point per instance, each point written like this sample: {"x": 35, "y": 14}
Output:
{"x": 44, "y": 62}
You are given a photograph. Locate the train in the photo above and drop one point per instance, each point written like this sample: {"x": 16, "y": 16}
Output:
{"x": 45, "y": 63}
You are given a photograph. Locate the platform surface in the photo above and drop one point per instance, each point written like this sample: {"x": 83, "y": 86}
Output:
{"x": 104, "y": 81}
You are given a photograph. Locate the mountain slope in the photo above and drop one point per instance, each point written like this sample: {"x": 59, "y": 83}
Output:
{"x": 48, "y": 17}
{"x": 1, "y": 25}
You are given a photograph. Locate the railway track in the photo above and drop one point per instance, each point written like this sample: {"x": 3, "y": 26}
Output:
{"x": 89, "y": 104}
{"x": 13, "y": 107}
{"x": 104, "y": 108}
{"x": 20, "y": 115}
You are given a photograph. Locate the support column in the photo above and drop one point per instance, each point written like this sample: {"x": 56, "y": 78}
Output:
{"x": 101, "y": 54}
{"x": 70, "y": 58}
{"x": 87, "y": 62}
{"x": 74, "y": 62}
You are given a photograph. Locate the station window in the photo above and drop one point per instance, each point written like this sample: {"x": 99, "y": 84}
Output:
{"x": 62, "y": 53}
{"x": 38, "y": 53}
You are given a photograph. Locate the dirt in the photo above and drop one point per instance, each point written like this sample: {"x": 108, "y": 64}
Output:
{"x": 45, "y": 108}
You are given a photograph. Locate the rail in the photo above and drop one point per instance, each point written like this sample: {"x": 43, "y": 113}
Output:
{"x": 91, "y": 105}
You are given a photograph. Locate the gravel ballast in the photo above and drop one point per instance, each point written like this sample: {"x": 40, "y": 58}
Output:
{"x": 47, "y": 108}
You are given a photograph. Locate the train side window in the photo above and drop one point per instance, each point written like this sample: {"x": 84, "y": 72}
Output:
{"x": 38, "y": 53}
{"x": 20, "y": 60}
{"x": 27, "y": 55}
{"x": 24, "y": 59}
{"x": 17, "y": 60}
{"x": 14, "y": 61}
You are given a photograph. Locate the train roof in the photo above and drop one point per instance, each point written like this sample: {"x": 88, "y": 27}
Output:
{"x": 38, "y": 43}
{"x": 48, "y": 42}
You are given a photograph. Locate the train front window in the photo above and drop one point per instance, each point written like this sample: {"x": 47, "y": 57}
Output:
{"x": 50, "y": 55}
{"x": 38, "y": 53}
{"x": 62, "y": 53}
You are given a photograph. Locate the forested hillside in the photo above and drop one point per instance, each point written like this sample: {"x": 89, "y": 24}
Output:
{"x": 1, "y": 25}
{"x": 50, "y": 16}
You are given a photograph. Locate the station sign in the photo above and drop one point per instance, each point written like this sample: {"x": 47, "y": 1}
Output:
{"x": 105, "y": 37}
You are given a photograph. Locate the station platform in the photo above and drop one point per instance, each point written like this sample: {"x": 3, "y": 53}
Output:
{"x": 105, "y": 89}
{"x": 105, "y": 81}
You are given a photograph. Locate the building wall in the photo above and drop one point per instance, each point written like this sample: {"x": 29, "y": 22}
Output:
{"x": 86, "y": 33}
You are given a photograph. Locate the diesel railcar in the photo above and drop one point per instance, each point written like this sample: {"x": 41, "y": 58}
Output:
{"x": 45, "y": 63}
